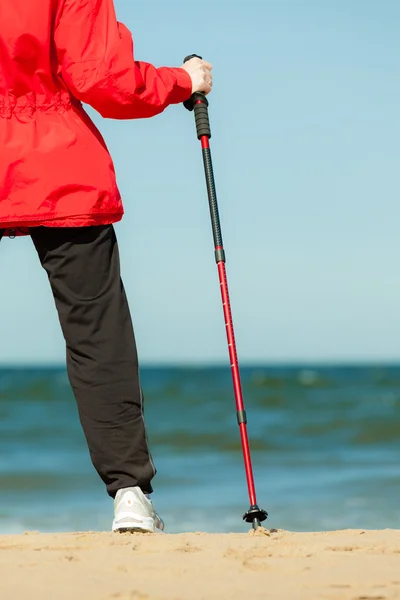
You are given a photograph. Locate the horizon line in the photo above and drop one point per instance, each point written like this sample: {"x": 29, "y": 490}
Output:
{"x": 224, "y": 364}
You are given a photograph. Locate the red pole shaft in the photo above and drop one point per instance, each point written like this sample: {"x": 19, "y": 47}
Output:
{"x": 236, "y": 378}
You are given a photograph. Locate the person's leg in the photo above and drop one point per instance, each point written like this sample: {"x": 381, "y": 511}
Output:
{"x": 1, "y": 233}
{"x": 84, "y": 272}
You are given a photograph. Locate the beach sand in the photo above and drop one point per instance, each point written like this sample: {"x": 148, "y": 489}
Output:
{"x": 354, "y": 565}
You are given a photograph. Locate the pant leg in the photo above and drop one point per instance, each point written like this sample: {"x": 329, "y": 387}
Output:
{"x": 84, "y": 272}
{"x": 1, "y": 233}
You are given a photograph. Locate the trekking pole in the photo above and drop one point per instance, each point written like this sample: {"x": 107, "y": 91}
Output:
{"x": 199, "y": 103}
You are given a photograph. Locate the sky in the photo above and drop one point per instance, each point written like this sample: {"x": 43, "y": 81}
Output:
{"x": 306, "y": 129}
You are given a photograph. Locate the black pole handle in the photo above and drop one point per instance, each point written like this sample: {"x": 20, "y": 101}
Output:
{"x": 199, "y": 103}
{"x": 192, "y": 56}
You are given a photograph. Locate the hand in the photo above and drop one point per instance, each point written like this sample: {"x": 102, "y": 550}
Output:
{"x": 200, "y": 73}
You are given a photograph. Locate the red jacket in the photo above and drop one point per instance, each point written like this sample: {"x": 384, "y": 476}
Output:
{"x": 55, "y": 169}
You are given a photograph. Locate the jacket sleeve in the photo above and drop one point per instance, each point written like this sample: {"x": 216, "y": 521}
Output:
{"x": 96, "y": 62}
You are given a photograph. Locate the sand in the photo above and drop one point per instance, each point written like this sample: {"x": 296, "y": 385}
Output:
{"x": 354, "y": 565}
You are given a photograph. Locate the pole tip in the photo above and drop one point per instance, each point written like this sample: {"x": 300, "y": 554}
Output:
{"x": 255, "y": 515}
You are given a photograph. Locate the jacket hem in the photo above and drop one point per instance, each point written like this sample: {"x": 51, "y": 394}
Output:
{"x": 21, "y": 226}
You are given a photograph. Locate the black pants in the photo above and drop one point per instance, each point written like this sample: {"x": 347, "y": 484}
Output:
{"x": 82, "y": 264}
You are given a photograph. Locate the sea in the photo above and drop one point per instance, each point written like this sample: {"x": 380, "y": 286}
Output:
{"x": 325, "y": 447}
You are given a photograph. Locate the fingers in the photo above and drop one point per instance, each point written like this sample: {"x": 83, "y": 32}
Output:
{"x": 200, "y": 73}
{"x": 207, "y": 81}
{"x": 197, "y": 60}
{"x": 207, "y": 86}
{"x": 207, "y": 65}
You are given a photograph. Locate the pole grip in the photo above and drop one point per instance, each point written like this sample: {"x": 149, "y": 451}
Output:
{"x": 199, "y": 103}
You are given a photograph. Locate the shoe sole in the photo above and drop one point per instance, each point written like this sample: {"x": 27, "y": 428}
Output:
{"x": 139, "y": 524}
{"x": 131, "y": 530}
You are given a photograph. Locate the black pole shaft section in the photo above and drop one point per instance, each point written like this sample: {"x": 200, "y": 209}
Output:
{"x": 212, "y": 200}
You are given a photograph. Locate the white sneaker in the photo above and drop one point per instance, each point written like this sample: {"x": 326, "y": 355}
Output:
{"x": 134, "y": 511}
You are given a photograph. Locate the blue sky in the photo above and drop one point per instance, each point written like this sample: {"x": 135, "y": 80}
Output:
{"x": 306, "y": 154}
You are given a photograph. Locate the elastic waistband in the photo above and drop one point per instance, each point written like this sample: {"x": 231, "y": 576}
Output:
{"x": 11, "y": 105}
